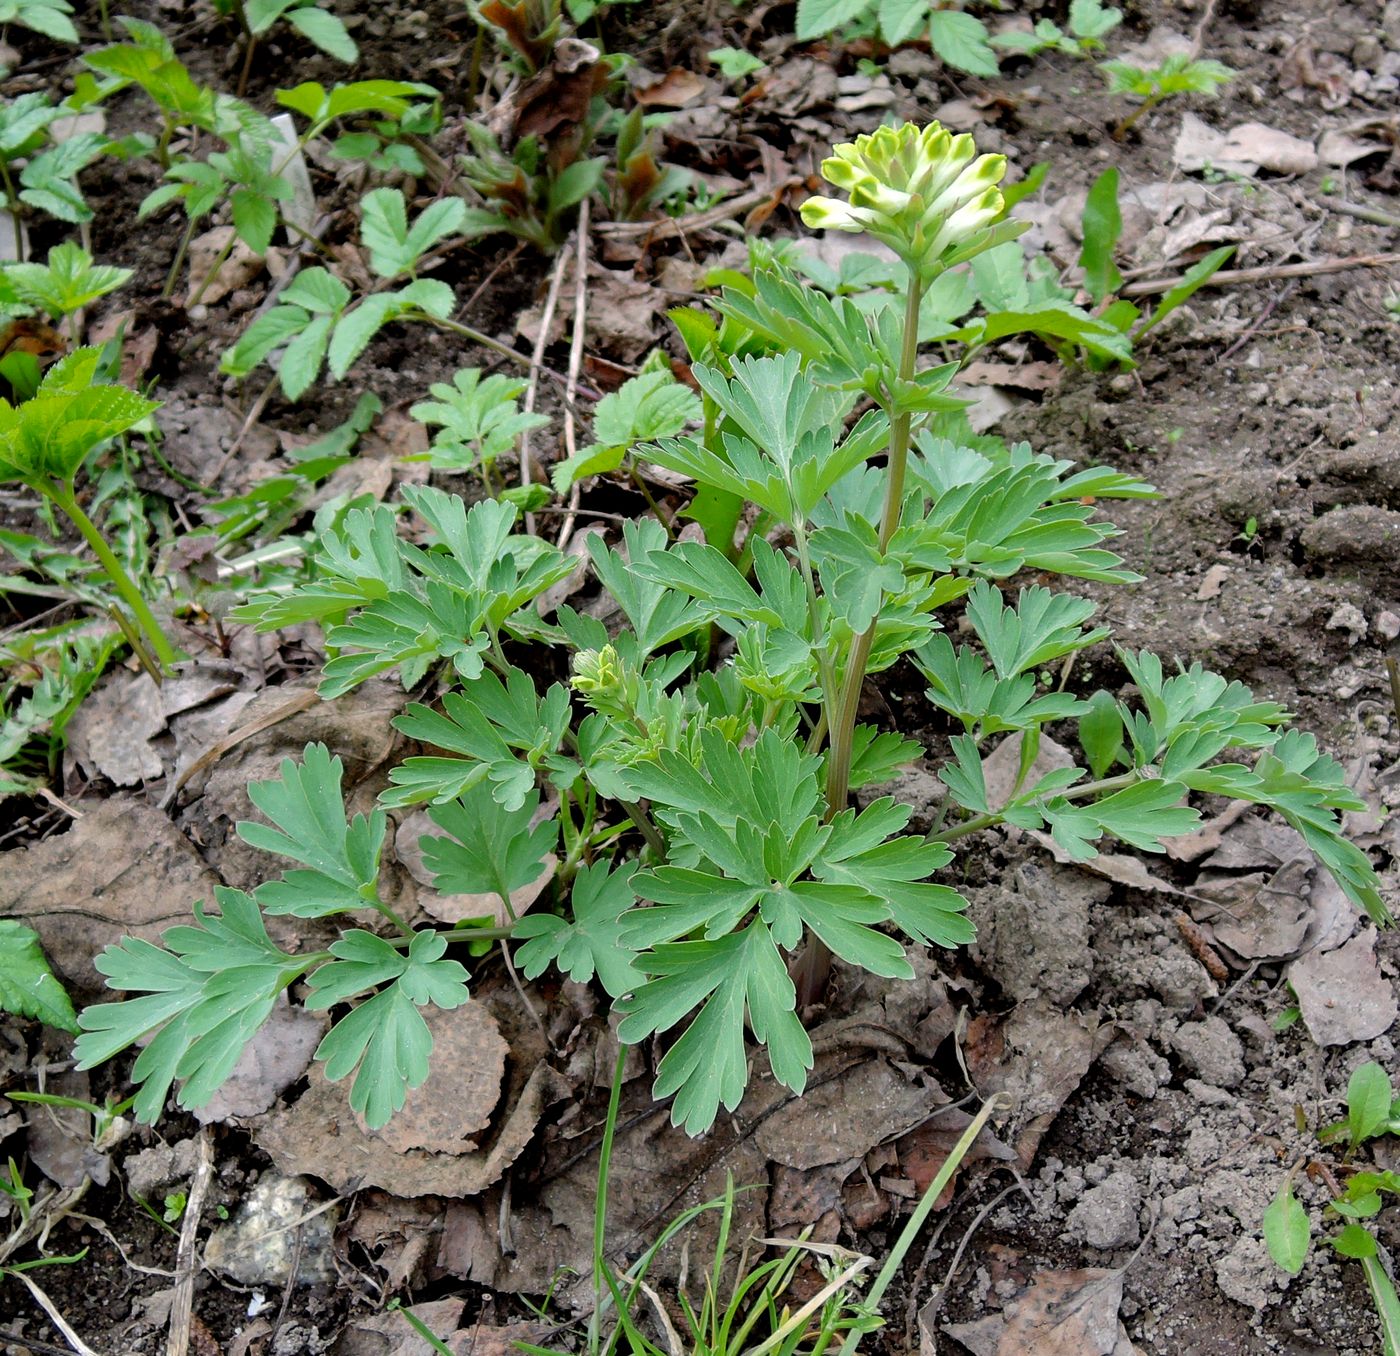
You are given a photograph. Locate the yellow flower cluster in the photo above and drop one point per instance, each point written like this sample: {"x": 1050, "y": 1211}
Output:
{"x": 922, "y": 191}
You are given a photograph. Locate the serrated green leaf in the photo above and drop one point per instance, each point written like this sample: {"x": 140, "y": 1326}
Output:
{"x": 815, "y": 18}
{"x": 27, "y": 985}
{"x": 325, "y": 31}
{"x": 960, "y": 40}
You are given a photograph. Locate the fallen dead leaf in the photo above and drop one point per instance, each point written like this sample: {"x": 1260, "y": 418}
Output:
{"x": 1038, "y": 1055}
{"x": 1129, "y": 871}
{"x": 391, "y": 1334}
{"x": 1340, "y": 148}
{"x": 675, "y": 89}
{"x": 1023, "y": 376}
{"x": 319, "y": 1135}
{"x": 1245, "y": 149}
{"x": 463, "y": 1085}
{"x": 1063, "y": 1313}
{"x": 111, "y": 732}
{"x": 1342, "y": 994}
{"x": 271, "y": 1062}
{"x": 59, "y": 1142}
{"x": 237, "y": 270}
{"x": 1212, "y": 582}
{"x": 123, "y": 869}
{"x": 847, "y": 1116}
{"x": 1301, "y": 69}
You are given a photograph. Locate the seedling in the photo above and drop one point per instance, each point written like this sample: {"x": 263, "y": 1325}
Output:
{"x": 1356, "y": 1195}
{"x": 958, "y": 39}
{"x": 699, "y": 840}
{"x": 44, "y": 443}
{"x": 1089, "y": 22}
{"x": 478, "y": 420}
{"x": 1178, "y": 74}
{"x": 256, "y": 18}
{"x": 49, "y": 17}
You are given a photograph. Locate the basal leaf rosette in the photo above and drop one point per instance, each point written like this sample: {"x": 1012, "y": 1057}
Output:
{"x": 924, "y": 192}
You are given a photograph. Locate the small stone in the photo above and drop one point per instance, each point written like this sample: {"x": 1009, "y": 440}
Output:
{"x": 1349, "y": 618}
{"x": 1366, "y": 53}
{"x": 258, "y": 1246}
{"x": 1207, "y": 1095}
{"x": 1387, "y": 624}
{"x": 1107, "y": 1216}
{"x": 1212, "y": 1050}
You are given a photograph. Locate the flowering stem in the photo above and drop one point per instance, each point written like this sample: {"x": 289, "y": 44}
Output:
{"x": 838, "y": 774}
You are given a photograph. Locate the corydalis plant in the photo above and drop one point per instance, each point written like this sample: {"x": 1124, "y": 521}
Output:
{"x": 678, "y": 807}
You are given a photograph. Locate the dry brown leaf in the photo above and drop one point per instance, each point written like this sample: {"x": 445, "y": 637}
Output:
{"x": 1261, "y": 916}
{"x": 847, "y": 1116}
{"x": 1212, "y": 582}
{"x": 111, "y": 732}
{"x": 1038, "y": 1055}
{"x": 1064, "y": 1313}
{"x": 1023, "y": 376}
{"x": 278, "y": 1054}
{"x": 123, "y": 869}
{"x": 675, "y": 89}
{"x": 237, "y": 270}
{"x": 1342, "y": 994}
{"x": 463, "y": 1085}
{"x": 320, "y": 1135}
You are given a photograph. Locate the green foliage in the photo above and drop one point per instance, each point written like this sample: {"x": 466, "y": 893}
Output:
{"x": 670, "y": 791}
{"x": 958, "y": 39}
{"x": 317, "y": 323}
{"x": 49, "y": 17}
{"x": 318, "y": 26}
{"x": 67, "y": 282}
{"x": 1177, "y": 74}
{"x": 1089, "y": 22}
{"x": 734, "y": 63}
{"x": 27, "y": 985}
{"x": 478, "y": 420}
{"x": 644, "y": 408}
{"x": 1372, "y": 1111}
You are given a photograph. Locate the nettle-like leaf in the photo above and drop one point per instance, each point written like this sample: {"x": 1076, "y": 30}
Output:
{"x": 204, "y": 992}
{"x": 478, "y": 419}
{"x": 384, "y": 1041}
{"x": 394, "y": 247}
{"x": 589, "y": 941}
{"x": 27, "y": 985}
{"x": 47, "y": 438}
{"x": 306, "y": 806}
{"x": 644, "y": 408}
{"x": 49, "y": 17}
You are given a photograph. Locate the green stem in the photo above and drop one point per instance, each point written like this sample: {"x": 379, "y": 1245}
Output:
{"x": 642, "y": 823}
{"x": 600, "y": 1204}
{"x": 12, "y": 207}
{"x": 173, "y": 276}
{"x": 1126, "y": 125}
{"x": 214, "y": 270}
{"x": 64, "y": 498}
{"x": 838, "y": 772}
{"x": 1106, "y": 787}
{"x": 824, "y": 665}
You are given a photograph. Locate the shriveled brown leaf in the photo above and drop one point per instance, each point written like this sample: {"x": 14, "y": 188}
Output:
{"x": 111, "y": 732}
{"x": 270, "y": 1063}
{"x": 123, "y": 869}
{"x": 391, "y": 1334}
{"x": 675, "y": 89}
{"x": 1342, "y": 994}
{"x": 237, "y": 270}
{"x": 1023, "y": 376}
{"x": 1064, "y": 1313}
{"x": 1038, "y": 1055}
{"x": 463, "y": 1085}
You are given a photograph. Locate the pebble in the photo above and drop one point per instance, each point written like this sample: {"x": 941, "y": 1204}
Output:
{"x": 1387, "y": 625}
{"x": 256, "y": 1248}
{"x": 1107, "y": 1216}
{"x": 1212, "y": 1050}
